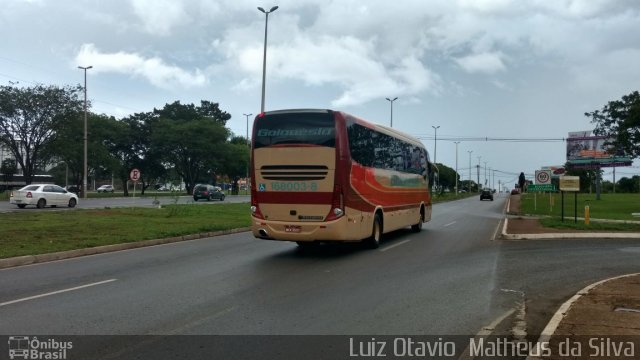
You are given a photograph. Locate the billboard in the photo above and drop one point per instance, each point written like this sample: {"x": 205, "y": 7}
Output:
{"x": 585, "y": 150}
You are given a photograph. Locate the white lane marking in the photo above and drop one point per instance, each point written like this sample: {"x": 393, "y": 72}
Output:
{"x": 484, "y": 332}
{"x": 495, "y": 233}
{"x": 56, "y": 292}
{"x": 449, "y": 224}
{"x": 394, "y": 245}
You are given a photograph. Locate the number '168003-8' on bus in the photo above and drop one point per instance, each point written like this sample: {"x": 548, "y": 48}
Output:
{"x": 323, "y": 175}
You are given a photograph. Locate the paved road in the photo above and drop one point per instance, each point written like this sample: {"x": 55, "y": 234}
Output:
{"x": 450, "y": 279}
{"x": 99, "y": 203}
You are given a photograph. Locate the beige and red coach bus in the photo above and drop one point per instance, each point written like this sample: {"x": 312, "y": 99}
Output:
{"x": 323, "y": 175}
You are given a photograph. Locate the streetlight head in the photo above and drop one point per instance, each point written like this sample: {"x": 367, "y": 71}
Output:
{"x": 273, "y": 9}
{"x": 395, "y": 98}
{"x": 261, "y": 9}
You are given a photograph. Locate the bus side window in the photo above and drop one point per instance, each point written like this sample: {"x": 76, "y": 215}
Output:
{"x": 430, "y": 173}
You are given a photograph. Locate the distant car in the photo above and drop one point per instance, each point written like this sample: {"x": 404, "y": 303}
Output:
{"x": 208, "y": 192}
{"x": 515, "y": 192}
{"x": 105, "y": 189}
{"x": 73, "y": 188}
{"x": 486, "y": 194}
{"x": 42, "y": 195}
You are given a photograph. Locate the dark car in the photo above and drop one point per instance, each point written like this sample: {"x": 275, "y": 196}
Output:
{"x": 486, "y": 194}
{"x": 73, "y": 188}
{"x": 208, "y": 192}
{"x": 515, "y": 192}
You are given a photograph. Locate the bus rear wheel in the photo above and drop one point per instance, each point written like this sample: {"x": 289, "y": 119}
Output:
{"x": 418, "y": 227}
{"x": 373, "y": 242}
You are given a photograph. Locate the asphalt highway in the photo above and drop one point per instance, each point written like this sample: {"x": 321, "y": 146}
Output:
{"x": 453, "y": 278}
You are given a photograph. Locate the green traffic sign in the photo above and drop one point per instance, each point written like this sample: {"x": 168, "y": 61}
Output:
{"x": 541, "y": 188}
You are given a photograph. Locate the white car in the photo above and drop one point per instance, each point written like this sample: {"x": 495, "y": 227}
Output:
{"x": 42, "y": 195}
{"x": 105, "y": 188}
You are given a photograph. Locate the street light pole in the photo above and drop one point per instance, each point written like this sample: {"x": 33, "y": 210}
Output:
{"x": 246, "y": 180}
{"x": 435, "y": 150}
{"x": 391, "y": 101}
{"x": 84, "y": 176}
{"x": 478, "y": 168}
{"x": 485, "y": 173}
{"x": 457, "y": 142}
{"x": 470, "y": 152}
{"x": 264, "y": 58}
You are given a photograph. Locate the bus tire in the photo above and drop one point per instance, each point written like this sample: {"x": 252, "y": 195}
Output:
{"x": 373, "y": 242}
{"x": 418, "y": 227}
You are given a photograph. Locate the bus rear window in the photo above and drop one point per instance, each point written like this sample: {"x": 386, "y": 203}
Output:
{"x": 295, "y": 128}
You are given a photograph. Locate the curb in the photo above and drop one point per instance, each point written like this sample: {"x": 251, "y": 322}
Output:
{"x": 559, "y": 315}
{"x": 61, "y": 255}
{"x": 555, "y": 236}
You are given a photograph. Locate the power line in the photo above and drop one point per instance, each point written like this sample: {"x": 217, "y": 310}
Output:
{"x": 487, "y": 139}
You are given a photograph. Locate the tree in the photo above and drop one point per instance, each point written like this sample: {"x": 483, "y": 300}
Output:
{"x": 620, "y": 119}
{"x": 446, "y": 177}
{"x": 236, "y": 160}
{"x": 29, "y": 119}
{"x": 192, "y": 139}
{"x": 629, "y": 185}
{"x": 8, "y": 169}
{"x": 522, "y": 180}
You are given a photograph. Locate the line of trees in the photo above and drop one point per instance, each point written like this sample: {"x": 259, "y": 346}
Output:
{"x": 44, "y": 125}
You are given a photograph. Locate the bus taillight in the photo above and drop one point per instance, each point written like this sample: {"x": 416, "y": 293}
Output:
{"x": 255, "y": 209}
{"x": 337, "y": 204}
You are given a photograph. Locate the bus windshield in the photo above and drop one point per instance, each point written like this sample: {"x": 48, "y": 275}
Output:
{"x": 309, "y": 128}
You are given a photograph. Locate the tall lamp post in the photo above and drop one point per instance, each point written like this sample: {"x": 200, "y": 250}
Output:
{"x": 456, "y": 142}
{"x": 264, "y": 58}
{"x": 391, "y": 101}
{"x": 479, "y": 157}
{"x": 246, "y": 183}
{"x": 470, "y": 152}
{"x": 84, "y": 176}
{"x": 435, "y": 150}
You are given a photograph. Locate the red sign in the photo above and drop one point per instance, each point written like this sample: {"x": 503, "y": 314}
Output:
{"x": 135, "y": 174}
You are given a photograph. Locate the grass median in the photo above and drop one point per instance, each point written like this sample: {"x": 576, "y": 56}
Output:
{"x": 609, "y": 207}
{"x": 32, "y": 233}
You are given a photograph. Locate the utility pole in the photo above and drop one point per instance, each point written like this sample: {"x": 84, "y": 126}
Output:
{"x": 478, "y": 171}
{"x": 456, "y": 142}
{"x": 469, "y": 185}
{"x": 84, "y": 176}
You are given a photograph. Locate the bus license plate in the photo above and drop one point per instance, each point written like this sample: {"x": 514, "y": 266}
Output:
{"x": 292, "y": 228}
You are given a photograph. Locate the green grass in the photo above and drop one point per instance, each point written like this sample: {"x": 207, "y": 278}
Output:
{"x": 611, "y": 206}
{"x": 31, "y": 233}
{"x": 450, "y": 196}
{"x": 593, "y": 226}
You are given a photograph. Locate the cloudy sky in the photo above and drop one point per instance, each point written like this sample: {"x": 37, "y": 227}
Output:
{"x": 476, "y": 68}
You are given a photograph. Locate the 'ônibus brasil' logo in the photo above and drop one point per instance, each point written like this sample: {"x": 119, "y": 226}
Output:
{"x": 31, "y": 348}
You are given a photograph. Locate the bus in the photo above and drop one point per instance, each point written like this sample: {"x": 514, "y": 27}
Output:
{"x": 18, "y": 181}
{"x": 325, "y": 176}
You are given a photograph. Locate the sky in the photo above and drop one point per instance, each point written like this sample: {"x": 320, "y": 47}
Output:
{"x": 516, "y": 69}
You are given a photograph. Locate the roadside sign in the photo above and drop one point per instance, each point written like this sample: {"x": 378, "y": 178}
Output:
{"x": 570, "y": 183}
{"x": 543, "y": 177}
{"x": 135, "y": 174}
{"x": 541, "y": 188}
